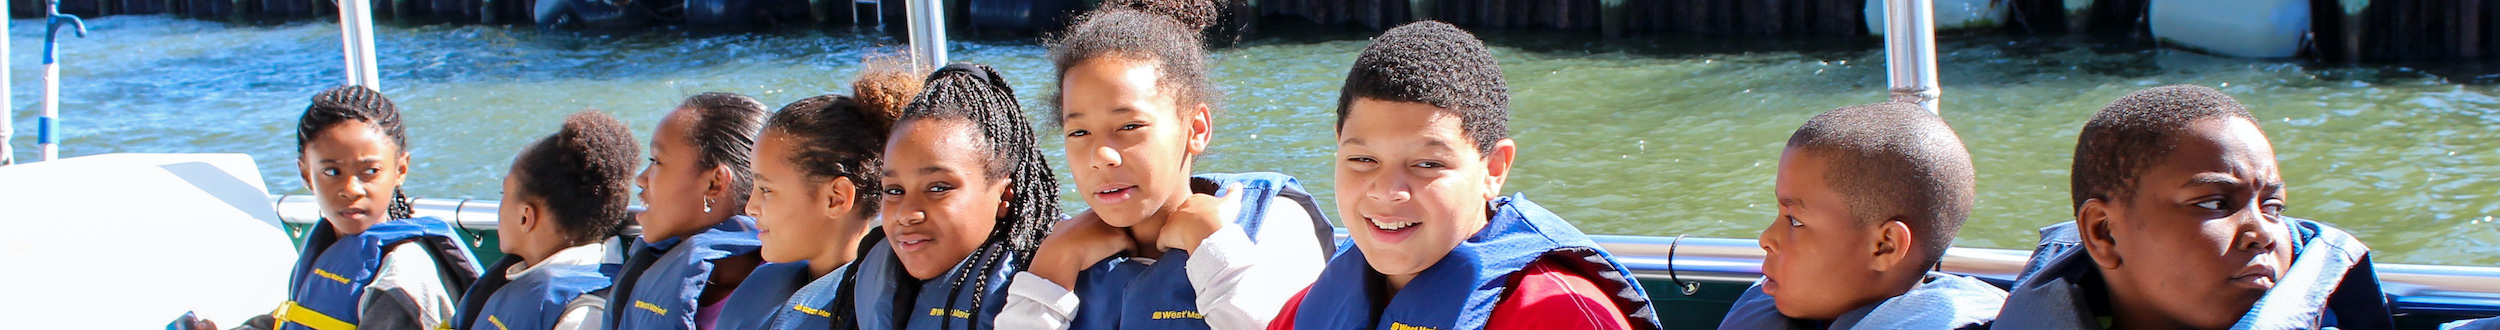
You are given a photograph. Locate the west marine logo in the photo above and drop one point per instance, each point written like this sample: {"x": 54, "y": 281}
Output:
{"x": 331, "y": 276}
{"x": 1403, "y": 326}
{"x": 956, "y": 313}
{"x": 655, "y": 309}
{"x": 498, "y": 322}
{"x": 1174, "y": 315}
{"x": 811, "y": 311}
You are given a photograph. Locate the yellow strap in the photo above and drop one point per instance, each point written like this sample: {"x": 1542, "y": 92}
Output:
{"x": 291, "y": 312}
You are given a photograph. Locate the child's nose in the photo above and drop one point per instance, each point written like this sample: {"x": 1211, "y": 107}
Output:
{"x": 2256, "y": 234}
{"x": 755, "y": 207}
{"x": 1391, "y": 189}
{"x": 1106, "y": 157}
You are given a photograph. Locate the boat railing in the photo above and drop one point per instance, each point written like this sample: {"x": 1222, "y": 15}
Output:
{"x": 2431, "y": 289}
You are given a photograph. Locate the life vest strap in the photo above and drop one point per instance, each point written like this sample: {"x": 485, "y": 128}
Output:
{"x": 291, "y": 312}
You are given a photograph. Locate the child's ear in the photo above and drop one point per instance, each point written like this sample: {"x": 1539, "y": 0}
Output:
{"x": 1892, "y": 244}
{"x": 2092, "y": 225}
{"x": 719, "y": 187}
{"x": 1497, "y": 167}
{"x": 1006, "y": 196}
{"x": 837, "y": 196}
{"x": 529, "y": 216}
{"x": 1201, "y": 128}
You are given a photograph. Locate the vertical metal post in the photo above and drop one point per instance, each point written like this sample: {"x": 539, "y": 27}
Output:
{"x": 1910, "y": 51}
{"x": 356, "y": 33}
{"x": 8, "y": 105}
{"x": 928, "y": 32}
{"x": 48, "y": 126}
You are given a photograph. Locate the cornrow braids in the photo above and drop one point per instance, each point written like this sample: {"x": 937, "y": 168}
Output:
{"x": 584, "y": 172}
{"x": 356, "y": 103}
{"x": 974, "y": 92}
{"x": 1167, "y": 33}
{"x": 724, "y": 130}
{"x": 837, "y": 137}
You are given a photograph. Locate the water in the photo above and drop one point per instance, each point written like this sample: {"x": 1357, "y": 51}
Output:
{"x": 1657, "y": 138}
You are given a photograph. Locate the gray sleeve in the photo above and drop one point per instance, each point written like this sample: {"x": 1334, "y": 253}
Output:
{"x": 390, "y": 310}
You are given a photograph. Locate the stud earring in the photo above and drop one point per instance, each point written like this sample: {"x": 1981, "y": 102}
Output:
{"x": 707, "y": 205}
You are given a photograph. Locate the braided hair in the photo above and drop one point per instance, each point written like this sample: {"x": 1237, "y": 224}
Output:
{"x": 1168, "y": 33}
{"x": 976, "y": 93}
{"x": 356, "y": 103}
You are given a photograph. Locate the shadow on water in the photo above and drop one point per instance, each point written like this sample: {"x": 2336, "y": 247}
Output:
{"x": 1647, "y": 136}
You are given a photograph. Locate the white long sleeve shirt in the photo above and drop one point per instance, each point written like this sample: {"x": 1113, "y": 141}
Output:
{"x": 1239, "y": 284}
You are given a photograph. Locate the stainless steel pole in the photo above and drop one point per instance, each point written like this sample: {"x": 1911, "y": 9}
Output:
{"x": 356, "y": 33}
{"x": 8, "y": 105}
{"x": 1910, "y": 51}
{"x": 928, "y": 32}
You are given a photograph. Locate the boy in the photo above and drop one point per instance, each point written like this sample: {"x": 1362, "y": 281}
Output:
{"x": 1423, "y": 149}
{"x": 1870, "y": 197}
{"x": 2179, "y": 224}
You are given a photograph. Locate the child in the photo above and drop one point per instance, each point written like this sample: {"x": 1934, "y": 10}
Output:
{"x": 359, "y": 268}
{"x": 1423, "y": 148}
{"x": 565, "y": 195}
{"x": 815, "y": 199}
{"x": 696, "y": 245}
{"x": 967, "y": 199}
{"x": 1135, "y": 109}
{"x": 1870, "y": 197}
{"x": 2179, "y": 224}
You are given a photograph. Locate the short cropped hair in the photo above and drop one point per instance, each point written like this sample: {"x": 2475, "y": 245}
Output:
{"x": 1433, "y": 63}
{"x": 1895, "y": 161}
{"x": 585, "y": 174}
{"x": 2139, "y": 130}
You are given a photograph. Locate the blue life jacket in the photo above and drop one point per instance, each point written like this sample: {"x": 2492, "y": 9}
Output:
{"x": 2330, "y": 284}
{"x": 1122, "y": 293}
{"x": 534, "y": 301}
{"x": 662, "y": 281}
{"x": 755, "y": 302}
{"x": 883, "y": 287}
{"x": 1461, "y": 290}
{"x": 331, "y": 272}
{"x": 1940, "y": 301}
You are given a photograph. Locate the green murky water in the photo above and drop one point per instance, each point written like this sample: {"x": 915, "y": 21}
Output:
{"x": 1657, "y": 138}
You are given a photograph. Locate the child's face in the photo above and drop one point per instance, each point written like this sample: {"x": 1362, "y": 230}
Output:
{"x": 1818, "y": 261}
{"x": 675, "y": 186}
{"x": 354, "y": 168}
{"x": 1128, "y": 145}
{"x": 940, "y": 203}
{"x": 800, "y": 219}
{"x": 1411, "y": 184}
{"x": 2202, "y": 237}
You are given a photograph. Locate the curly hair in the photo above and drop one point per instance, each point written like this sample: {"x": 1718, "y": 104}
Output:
{"x": 976, "y": 93}
{"x": 1434, "y": 63}
{"x": 584, "y": 172}
{"x": 342, "y": 104}
{"x": 1895, "y": 161}
{"x": 2137, "y": 131}
{"x": 1167, "y": 33}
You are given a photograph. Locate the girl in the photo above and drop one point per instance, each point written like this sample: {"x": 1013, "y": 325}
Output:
{"x": 1135, "y": 107}
{"x": 696, "y": 245}
{"x": 358, "y": 268}
{"x": 815, "y": 198}
{"x": 967, "y": 198}
{"x": 565, "y": 195}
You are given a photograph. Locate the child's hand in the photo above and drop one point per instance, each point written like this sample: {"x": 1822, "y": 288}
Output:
{"x": 1075, "y": 244}
{"x": 1199, "y": 216}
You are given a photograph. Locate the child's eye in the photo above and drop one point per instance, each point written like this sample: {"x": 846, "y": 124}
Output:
{"x": 891, "y": 192}
{"x": 2210, "y": 205}
{"x": 372, "y": 171}
{"x": 2274, "y": 207}
{"x": 654, "y": 160}
{"x": 330, "y": 172}
{"x": 1079, "y": 133}
{"x": 1429, "y": 164}
{"x": 1361, "y": 159}
{"x": 1131, "y": 127}
{"x": 1792, "y": 222}
{"x": 940, "y": 188}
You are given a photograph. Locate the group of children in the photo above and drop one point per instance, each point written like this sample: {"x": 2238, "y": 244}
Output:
{"x": 921, "y": 201}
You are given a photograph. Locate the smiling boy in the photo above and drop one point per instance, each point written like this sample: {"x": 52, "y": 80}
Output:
{"x": 1870, "y": 197}
{"x": 1423, "y": 150}
{"x": 2179, "y": 225}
